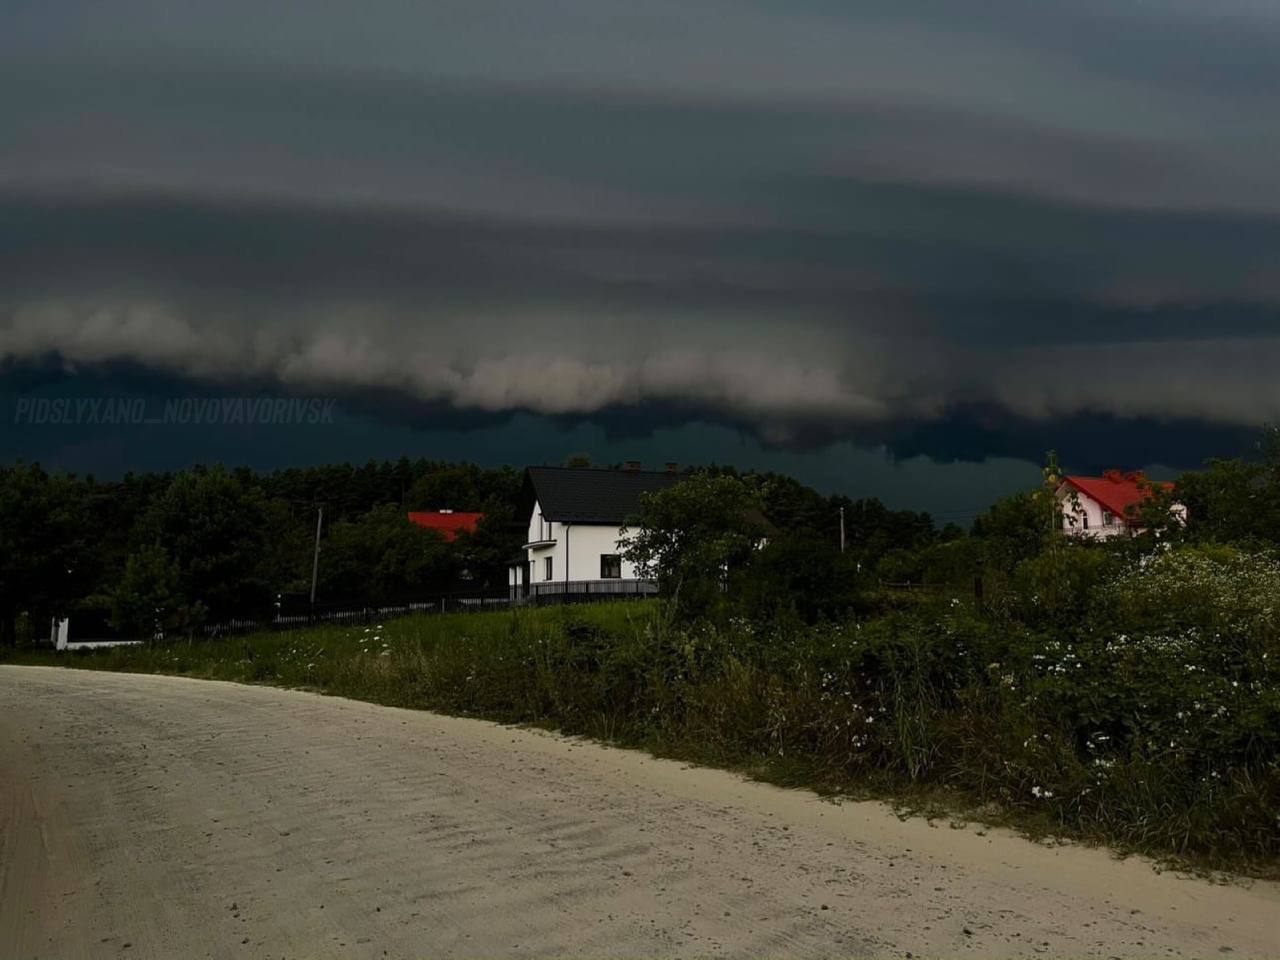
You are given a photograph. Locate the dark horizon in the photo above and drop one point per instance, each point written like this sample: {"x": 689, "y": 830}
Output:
{"x": 896, "y": 250}
{"x": 920, "y": 469}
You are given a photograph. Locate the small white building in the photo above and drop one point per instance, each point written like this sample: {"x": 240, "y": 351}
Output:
{"x": 1102, "y": 507}
{"x": 575, "y": 537}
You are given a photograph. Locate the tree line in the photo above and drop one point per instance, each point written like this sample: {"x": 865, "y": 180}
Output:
{"x": 726, "y": 545}
{"x": 177, "y": 550}
{"x": 208, "y": 544}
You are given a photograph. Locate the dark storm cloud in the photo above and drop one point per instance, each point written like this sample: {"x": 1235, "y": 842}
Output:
{"x": 849, "y": 324}
{"x": 813, "y": 220}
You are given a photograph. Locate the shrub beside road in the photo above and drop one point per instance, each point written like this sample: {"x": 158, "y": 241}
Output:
{"x": 1137, "y": 707}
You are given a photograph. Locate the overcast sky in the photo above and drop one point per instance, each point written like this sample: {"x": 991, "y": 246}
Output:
{"x": 928, "y": 228}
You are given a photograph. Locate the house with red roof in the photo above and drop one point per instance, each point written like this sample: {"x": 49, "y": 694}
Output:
{"x": 1106, "y": 506}
{"x": 447, "y": 523}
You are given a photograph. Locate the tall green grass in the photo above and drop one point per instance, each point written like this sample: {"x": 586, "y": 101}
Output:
{"x": 1136, "y": 740}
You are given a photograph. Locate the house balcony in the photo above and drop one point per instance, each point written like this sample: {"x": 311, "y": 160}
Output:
{"x": 577, "y": 591}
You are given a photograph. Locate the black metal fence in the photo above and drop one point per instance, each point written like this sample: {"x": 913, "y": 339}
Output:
{"x": 348, "y": 613}
{"x": 91, "y": 624}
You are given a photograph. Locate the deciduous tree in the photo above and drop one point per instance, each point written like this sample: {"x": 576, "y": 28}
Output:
{"x": 691, "y": 536}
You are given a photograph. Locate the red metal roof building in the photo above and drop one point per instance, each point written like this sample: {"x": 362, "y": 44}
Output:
{"x": 1106, "y": 504}
{"x": 447, "y": 523}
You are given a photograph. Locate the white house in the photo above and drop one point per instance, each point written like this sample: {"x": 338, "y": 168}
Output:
{"x": 575, "y": 537}
{"x": 1103, "y": 507}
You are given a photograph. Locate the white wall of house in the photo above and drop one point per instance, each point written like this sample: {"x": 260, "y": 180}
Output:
{"x": 574, "y": 549}
{"x": 540, "y": 529}
{"x": 1091, "y": 518}
{"x": 1101, "y": 524}
{"x": 587, "y": 544}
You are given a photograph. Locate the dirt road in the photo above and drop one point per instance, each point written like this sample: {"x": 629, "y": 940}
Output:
{"x": 160, "y": 817}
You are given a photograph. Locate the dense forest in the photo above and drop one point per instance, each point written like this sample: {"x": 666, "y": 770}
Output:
{"x": 209, "y": 544}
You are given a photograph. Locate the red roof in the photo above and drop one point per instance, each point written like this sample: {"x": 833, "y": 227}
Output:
{"x": 446, "y": 523}
{"x": 1117, "y": 491}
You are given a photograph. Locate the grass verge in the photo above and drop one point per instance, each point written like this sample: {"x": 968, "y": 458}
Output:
{"x": 934, "y": 711}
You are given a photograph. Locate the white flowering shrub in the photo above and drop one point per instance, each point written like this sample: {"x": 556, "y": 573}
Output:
{"x": 1221, "y": 595}
{"x": 1170, "y": 693}
{"x": 1191, "y": 637}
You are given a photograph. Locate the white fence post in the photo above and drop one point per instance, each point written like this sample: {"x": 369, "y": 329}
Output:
{"x": 58, "y": 632}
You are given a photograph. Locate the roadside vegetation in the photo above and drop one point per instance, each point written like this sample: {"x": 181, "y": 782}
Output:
{"x": 1152, "y": 723}
{"x": 1126, "y": 693}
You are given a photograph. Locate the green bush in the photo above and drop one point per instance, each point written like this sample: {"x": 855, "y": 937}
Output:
{"x": 957, "y": 562}
{"x": 792, "y": 578}
{"x": 901, "y": 566}
{"x": 1137, "y": 706}
{"x": 1053, "y": 590}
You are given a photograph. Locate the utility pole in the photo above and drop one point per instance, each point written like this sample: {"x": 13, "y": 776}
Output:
{"x": 315, "y": 558}
{"x": 842, "y": 529}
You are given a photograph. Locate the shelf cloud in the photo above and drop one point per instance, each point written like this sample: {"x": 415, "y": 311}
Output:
{"x": 803, "y": 218}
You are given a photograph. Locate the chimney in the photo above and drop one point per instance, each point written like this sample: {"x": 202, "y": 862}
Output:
{"x": 633, "y": 465}
{"x": 1136, "y": 476}
{"x": 672, "y": 466}
{"x": 1115, "y": 476}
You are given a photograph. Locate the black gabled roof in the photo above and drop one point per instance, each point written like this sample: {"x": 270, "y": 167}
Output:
{"x": 590, "y": 494}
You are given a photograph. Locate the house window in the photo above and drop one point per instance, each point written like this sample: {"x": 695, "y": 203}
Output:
{"x": 547, "y": 568}
{"x": 610, "y": 566}
{"x": 1085, "y": 521}
{"x": 1108, "y": 518}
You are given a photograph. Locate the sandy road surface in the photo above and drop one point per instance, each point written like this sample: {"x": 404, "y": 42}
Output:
{"x": 160, "y": 817}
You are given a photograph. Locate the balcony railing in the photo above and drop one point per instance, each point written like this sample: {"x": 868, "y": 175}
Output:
{"x": 571, "y": 591}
